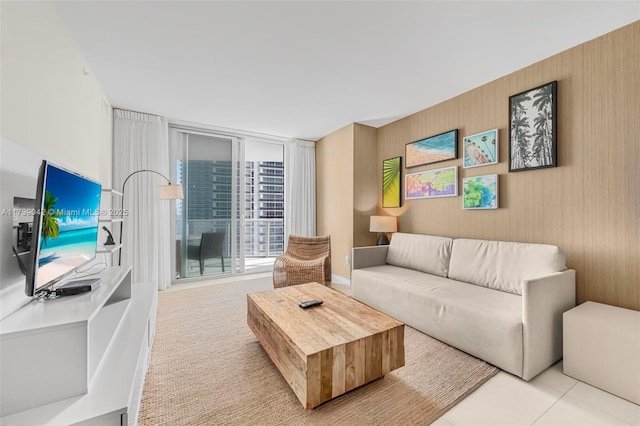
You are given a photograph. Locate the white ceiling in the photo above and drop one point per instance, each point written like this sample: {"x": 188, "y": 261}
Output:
{"x": 304, "y": 69}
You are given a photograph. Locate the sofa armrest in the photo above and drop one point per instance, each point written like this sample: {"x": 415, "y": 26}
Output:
{"x": 544, "y": 300}
{"x": 365, "y": 257}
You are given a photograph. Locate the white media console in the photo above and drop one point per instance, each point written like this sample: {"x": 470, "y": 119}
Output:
{"x": 78, "y": 359}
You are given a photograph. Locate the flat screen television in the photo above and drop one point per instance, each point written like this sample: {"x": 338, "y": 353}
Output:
{"x": 65, "y": 226}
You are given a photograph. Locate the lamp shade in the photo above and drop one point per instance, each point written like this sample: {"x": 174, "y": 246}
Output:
{"x": 170, "y": 192}
{"x": 383, "y": 224}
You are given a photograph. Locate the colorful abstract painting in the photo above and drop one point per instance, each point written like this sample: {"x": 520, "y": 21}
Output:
{"x": 391, "y": 171}
{"x": 480, "y": 192}
{"x": 433, "y": 149}
{"x": 480, "y": 149}
{"x": 432, "y": 183}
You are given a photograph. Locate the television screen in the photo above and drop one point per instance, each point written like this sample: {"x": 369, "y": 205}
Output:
{"x": 66, "y": 223}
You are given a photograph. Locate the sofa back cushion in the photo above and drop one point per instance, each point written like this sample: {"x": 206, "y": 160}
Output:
{"x": 424, "y": 253}
{"x": 503, "y": 265}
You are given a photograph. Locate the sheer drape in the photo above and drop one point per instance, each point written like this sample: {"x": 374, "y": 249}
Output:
{"x": 300, "y": 194}
{"x": 141, "y": 142}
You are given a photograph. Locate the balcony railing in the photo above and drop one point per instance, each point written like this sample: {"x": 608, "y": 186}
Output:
{"x": 263, "y": 237}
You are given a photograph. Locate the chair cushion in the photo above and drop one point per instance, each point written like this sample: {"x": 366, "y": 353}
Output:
{"x": 480, "y": 321}
{"x": 503, "y": 265}
{"x": 425, "y": 253}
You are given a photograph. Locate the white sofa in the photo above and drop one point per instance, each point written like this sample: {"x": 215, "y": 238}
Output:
{"x": 499, "y": 301}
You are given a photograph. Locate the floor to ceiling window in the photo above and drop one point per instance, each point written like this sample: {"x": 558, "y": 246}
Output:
{"x": 231, "y": 219}
{"x": 264, "y": 201}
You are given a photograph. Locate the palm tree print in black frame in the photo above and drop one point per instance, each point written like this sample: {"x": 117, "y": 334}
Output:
{"x": 533, "y": 128}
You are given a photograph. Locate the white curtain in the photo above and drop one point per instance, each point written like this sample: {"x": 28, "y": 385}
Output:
{"x": 141, "y": 142}
{"x": 300, "y": 192}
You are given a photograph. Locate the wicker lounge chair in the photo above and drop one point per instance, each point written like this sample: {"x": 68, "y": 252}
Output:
{"x": 307, "y": 259}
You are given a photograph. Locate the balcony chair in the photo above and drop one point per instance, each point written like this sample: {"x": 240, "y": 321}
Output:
{"x": 307, "y": 259}
{"x": 211, "y": 246}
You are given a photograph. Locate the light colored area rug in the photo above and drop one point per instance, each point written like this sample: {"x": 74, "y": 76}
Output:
{"x": 207, "y": 368}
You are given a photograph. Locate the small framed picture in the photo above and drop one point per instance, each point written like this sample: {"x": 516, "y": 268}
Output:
{"x": 432, "y": 184}
{"x": 480, "y": 192}
{"x": 533, "y": 128}
{"x": 433, "y": 149}
{"x": 480, "y": 149}
{"x": 391, "y": 182}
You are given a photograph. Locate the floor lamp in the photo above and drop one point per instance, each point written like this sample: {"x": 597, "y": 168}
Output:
{"x": 165, "y": 192}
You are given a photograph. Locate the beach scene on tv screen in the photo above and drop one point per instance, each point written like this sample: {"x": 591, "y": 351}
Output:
{"x": 69, "y": 230}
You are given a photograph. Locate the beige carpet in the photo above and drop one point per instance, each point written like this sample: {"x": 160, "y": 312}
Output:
{"x": 207, "y": 368}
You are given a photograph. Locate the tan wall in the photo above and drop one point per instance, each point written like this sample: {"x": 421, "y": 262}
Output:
{"x": 51, "y": 103}
{"x": 590, "y": 204}
{"x": 334, "y": 195}
{"x": 366, "y": 183}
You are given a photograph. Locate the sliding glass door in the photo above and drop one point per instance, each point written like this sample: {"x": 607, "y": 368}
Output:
{"x": 231, "y": 219}
{"x": 206, "y": 220}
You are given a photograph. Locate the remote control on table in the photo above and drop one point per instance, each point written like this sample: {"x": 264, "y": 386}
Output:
{"x": 309, "y": 303}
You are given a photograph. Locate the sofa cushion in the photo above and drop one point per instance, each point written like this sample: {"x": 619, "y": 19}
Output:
{"x": 424, "y": 253}
{"x": 503, "y": 265}
{"x": 480, "y": 321}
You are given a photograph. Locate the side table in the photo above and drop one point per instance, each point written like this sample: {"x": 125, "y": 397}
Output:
{"x": 601, "y": 346}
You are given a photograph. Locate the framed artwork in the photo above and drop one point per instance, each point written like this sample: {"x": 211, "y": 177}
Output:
{"x": 433, "y": 149}
{"x": 480, "y": 192}
{"x": 432, "y": 183}
{"x": 533, "y": 128}
{"x": 480, "y": 149}
{"x": 391, "y": 182}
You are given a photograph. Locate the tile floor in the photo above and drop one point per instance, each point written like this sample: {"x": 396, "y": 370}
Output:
{"x": 551, "y": 398}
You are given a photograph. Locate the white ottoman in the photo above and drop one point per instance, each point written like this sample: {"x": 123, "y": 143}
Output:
{"x": 601, "y": 346}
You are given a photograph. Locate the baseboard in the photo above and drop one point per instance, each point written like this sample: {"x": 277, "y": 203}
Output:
{"x": 340, "y": 280}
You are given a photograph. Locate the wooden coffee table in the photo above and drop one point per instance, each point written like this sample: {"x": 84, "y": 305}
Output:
{"x": 326, "y": 350}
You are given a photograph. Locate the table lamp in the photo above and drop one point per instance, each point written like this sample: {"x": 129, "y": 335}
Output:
{"x": 382, "y": 225}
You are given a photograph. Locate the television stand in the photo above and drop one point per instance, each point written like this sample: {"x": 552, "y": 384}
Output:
{"x": 78, "y": 359}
